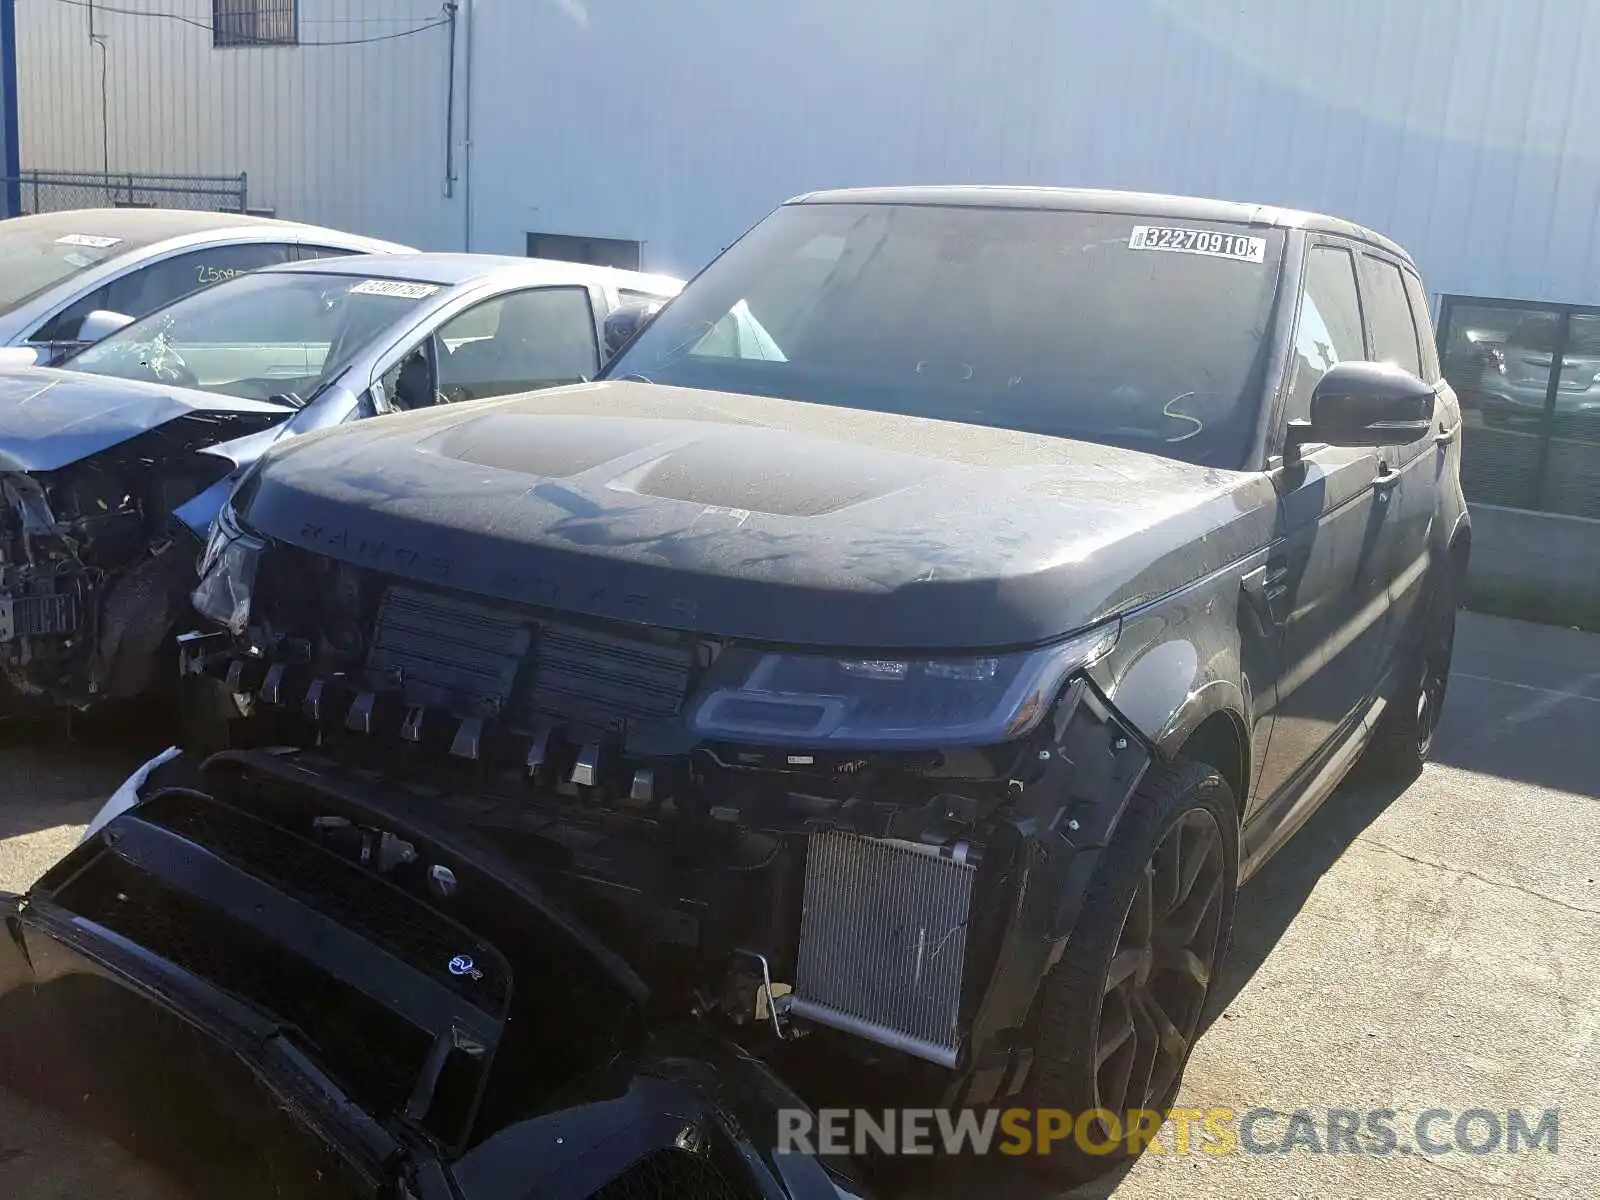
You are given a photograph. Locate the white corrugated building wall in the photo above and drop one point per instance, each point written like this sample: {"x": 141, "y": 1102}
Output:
{"x": 1469, "y": 131}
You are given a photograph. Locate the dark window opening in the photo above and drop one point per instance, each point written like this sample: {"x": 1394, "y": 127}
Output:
{"x": 595, "y": 251}
{"x": 254, "y": 23}
{"x": 1528, "y": 377}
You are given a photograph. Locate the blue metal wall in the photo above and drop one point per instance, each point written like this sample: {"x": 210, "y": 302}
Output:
{"x": 9, "y": 146}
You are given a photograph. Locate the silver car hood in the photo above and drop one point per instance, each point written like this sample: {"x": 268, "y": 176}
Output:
{"x": 51, "y": 418}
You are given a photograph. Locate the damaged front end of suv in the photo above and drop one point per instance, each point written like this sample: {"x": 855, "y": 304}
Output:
{"x": 96, "y": 556}
{"x": 889, "y": 846}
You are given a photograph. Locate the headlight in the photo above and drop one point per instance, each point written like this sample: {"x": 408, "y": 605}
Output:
{"x": 228, "y": 572}
{"x": 812, "y": 700}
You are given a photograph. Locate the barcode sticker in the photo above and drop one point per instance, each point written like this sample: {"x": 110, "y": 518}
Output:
{"x": 398, "y": 288}
{"x": 1198, "y": 241}
{"x": 87, "y": 239}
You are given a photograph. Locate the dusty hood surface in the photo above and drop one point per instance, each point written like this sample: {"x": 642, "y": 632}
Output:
{"x": 50, "y": 418}
{"x": 765, "y": 519}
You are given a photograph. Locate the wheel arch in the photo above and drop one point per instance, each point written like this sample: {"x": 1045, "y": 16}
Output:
{"x": 1218, "y": 739}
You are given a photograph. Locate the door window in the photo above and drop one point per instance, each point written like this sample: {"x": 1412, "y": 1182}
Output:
{"x": 1394, "y": 333}
{"x": 517, "y": 343}
{"x": 307, "y": 253}
{"x": 1328, "y": 331}
{"x": 142, "y": 291}
{"x": 1424, "y": 320}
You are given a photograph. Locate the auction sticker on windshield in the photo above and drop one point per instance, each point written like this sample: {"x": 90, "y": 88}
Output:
{"x": 1198, "y": 241}
{"x": 86, "y": 239}
{"x": 397, "y": 288}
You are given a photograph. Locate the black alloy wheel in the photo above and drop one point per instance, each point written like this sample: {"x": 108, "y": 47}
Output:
{"x": 1436, "y": 657}
{"x": 1121, "y": 1010}
{"x": 1406, "y": 733}
{"x": 1157, "y": 982}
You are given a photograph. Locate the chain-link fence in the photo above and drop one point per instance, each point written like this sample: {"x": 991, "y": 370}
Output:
{"x": 56, "y": 191}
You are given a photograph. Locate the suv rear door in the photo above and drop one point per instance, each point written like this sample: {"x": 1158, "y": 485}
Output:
{"x": 1396, "y": 335}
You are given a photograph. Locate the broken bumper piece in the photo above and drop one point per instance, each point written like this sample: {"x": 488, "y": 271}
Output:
{"x": 257, "y": 979}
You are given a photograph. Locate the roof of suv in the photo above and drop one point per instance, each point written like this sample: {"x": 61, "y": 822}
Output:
{"x": 1140, "y": 204}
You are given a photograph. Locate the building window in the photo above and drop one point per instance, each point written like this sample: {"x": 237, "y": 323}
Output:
{"x": 254, "y": 23}
{"x": 596, "y": 251}
{"x": 1528, "y": 376}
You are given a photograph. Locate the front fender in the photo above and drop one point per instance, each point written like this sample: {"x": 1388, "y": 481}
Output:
{"x": 1034, "y": 876}
{"x": 1190, "y": 657}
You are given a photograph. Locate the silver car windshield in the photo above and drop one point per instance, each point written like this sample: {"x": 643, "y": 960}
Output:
{"x": 260, "y": 336}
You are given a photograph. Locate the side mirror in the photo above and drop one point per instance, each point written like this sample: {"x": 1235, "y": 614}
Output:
{"x": 626, "y": 320}
{"x": 23, "y": 356}
{"x": 101, "y": 323}
{"x": 1367, "y": 404}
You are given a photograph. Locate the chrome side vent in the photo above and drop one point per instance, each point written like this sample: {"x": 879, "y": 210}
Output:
{"x": 883, "y": 941}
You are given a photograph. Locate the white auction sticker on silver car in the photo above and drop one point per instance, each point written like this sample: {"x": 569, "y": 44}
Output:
{"x": 87, "y": 239}
{"x": 1198, "y": 241}
{"x": 398, "y": 288}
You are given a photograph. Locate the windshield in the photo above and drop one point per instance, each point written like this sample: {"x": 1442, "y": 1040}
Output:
{"x": 260, "y": 336}
{"x": 1073, "y": 324}
{"x": 34, "y": 260}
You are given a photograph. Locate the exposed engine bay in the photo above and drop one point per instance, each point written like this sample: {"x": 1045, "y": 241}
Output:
{"x": 909, "y": 899}
{"x": 94, "y": 569}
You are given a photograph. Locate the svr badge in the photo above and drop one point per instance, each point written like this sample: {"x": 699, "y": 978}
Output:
{"x": 462, "y": 964}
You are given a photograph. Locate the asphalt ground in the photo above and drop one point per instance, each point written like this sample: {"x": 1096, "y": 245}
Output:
{"x": 1436, "y": 947}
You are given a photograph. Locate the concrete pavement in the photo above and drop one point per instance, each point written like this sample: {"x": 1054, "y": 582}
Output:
{"x": 1432, "y": 948}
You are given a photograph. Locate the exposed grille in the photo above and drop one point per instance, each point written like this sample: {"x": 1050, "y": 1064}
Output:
{"x": 448, "y": 650}
{"x": 883, "y": 939}
{"x": 596, "y": 678}
{"x": 479, "y": 659}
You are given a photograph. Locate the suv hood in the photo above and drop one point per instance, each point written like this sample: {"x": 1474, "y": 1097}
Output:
{"x": 773, "y": 520}
{"x": 50, "y": 418}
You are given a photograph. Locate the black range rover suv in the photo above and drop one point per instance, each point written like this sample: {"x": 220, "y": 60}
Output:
{"x": 940, "y": 608}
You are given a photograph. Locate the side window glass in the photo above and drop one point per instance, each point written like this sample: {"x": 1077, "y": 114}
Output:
{"x": 147, "y": 289}
{"x": 306, "y": 253}
{"x": 63, "y": 327}
{"x": 1328, "y": 331}
{"x": 1394, "y": 332}
{"x": 411, "y": 382}
{"x": 1427, "y": 343}
{"x": 517, "y": 343}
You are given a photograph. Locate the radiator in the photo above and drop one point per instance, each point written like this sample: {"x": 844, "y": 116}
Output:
{"x": 883, "y": 939}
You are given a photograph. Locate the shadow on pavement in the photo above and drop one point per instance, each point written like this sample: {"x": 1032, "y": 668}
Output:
{"x": 1523, "y": 703}
{"x": 1275, "y": 895}
{"x": 55, "y": 771}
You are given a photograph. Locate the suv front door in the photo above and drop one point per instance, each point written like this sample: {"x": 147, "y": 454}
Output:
{"x": 1326, "y": 581}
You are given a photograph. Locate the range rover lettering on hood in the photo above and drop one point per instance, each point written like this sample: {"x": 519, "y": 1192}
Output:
{"x": 760, "y": 518}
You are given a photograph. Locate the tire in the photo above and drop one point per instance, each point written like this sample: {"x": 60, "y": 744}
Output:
{"x": 1105, "y": 982}
{"x": 1407, "y": 730}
